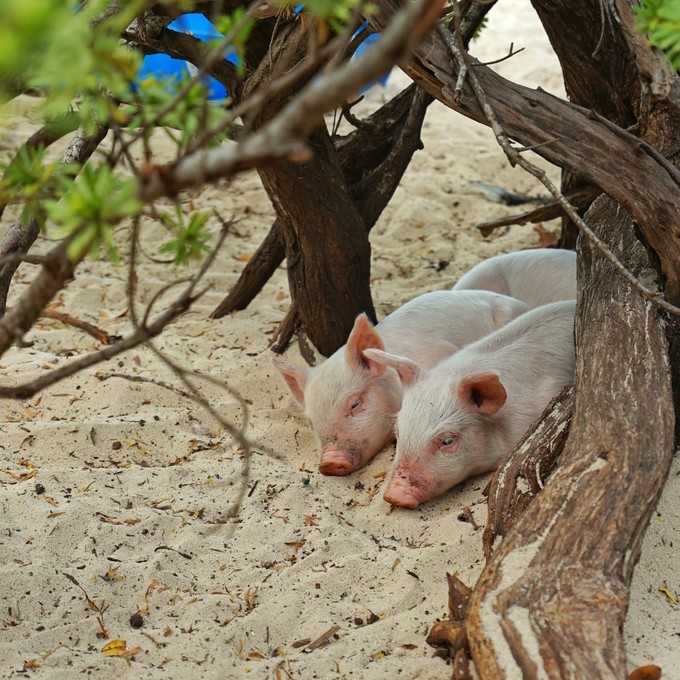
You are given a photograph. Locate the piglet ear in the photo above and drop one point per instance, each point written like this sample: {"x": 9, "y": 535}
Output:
{"x": 483, "y": 392}
{"x": 362, "y": 337}
{"x": 408, "y": 370}
{"x": 296, "y": 379}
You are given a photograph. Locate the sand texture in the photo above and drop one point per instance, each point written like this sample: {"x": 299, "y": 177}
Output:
{"x": 111, "y": 490}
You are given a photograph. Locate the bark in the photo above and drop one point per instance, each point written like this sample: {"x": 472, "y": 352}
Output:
{"x": 571, "y": 137}
{"x": 571, "y": 559}
{"x": 326, "y": 244}
{"x": 573, "y": 184}
{"x": 18, "y": 240}
{"x": 527, "y": 467}
{"x": 590, "y": 46}
{"x": 373, "y": 159}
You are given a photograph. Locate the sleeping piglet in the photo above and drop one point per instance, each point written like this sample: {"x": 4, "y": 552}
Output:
{"x": 352, "y": 401}
{"x": 461, "y": 417}
{"x": 536, "y": 277}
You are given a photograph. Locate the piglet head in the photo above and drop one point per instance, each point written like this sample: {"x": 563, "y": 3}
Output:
{"x": 350, "y": 401}
{"x": 444, "y": 434}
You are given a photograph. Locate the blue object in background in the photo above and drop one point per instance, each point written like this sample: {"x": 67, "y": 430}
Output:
{"x": 366, "y": 44}
{"x": 163, "y": 67}
{"x": 167, "y": 69}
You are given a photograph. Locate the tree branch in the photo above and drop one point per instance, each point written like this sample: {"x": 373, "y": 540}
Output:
{"x": 283, "y": 137}
{"x": 615, "y": 159}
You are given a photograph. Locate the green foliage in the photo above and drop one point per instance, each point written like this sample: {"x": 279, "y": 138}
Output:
{"x": 26, "y": 176}
{"x": 89, "y": 208}
{"x": 228, "y": 23}
{"x": 660, "y": 20}
{"x": 67, "y": 49}
{"x": 480, "y": 28}
{"x": 189, "y": 114}
{"x": 192, "y": 236}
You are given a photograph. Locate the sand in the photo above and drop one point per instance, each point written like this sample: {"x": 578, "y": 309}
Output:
{"x": 111, "y": 490}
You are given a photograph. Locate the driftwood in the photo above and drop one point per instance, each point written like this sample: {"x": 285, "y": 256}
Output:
{"x": 526, "y": 469}
{"x": 580, "y": 198}
{"x": 552, "y": 601}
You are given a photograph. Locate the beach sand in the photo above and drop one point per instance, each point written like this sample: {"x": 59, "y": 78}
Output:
{"x": 111, "y": 490}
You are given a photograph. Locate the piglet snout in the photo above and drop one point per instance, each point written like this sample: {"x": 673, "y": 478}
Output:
{"x": 336, "y": 461}
{"x": 401, "y": 491}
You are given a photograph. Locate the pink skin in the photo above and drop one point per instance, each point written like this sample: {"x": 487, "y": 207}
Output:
{"x": 351, "y": 400}
{"x": 537, "y": 277}
{"x": 409, "y": 485}
{"x": 459, "y": 418}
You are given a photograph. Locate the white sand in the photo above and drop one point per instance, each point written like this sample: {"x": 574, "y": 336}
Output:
{"x": 135, "y": 475}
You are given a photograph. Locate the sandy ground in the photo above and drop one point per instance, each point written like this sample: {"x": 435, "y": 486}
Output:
{"x": 110, "y": 490}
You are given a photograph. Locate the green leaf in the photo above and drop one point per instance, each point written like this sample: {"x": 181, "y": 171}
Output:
{"x": 660, "y": 20}
{"x": 192, "y": 237}
{"x": 90, "y": 207}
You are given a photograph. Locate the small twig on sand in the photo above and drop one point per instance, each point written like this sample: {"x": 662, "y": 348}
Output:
{"x": 89, "y": 328}
{"x": 141, "y": 378}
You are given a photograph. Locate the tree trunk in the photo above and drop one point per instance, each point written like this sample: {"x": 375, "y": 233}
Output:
{"x": 525, "y": 470}
{"x": 326, "y": 244}
{"x": 553, "y": 600}
{"x": 373, "y": 158}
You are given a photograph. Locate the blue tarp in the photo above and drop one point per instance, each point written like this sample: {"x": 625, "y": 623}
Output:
{"x": 163, "y": 67}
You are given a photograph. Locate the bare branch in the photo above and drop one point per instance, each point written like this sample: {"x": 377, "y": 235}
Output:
{"x": 282, "y": 137}
{"x": 516, "y": 158}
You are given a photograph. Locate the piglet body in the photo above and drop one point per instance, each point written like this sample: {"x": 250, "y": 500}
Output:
{"x": 461, "y": 417}
{"x": 536, "y": 277}
{"x": 352, "y": 401}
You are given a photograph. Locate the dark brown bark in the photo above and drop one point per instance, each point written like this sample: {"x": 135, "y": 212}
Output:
{"x": 56, "y": 269}
{"x": 590, "y": 46}
{"x": 323, "y": 235}
{"x": 572, "y": 557}
{"x": 373, "y": 159}
{"x": 597, "y": 66}
{"x": 326, "y": 244}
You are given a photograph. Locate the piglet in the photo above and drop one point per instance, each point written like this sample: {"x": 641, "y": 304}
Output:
{"x": 461, "y": 417}
{"x": 352, "y": 401}
{"x": 536, "y": 277}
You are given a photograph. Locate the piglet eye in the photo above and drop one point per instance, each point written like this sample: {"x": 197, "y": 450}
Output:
{"x": 449, "y": 441}
{"x": 356, "y": 404}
